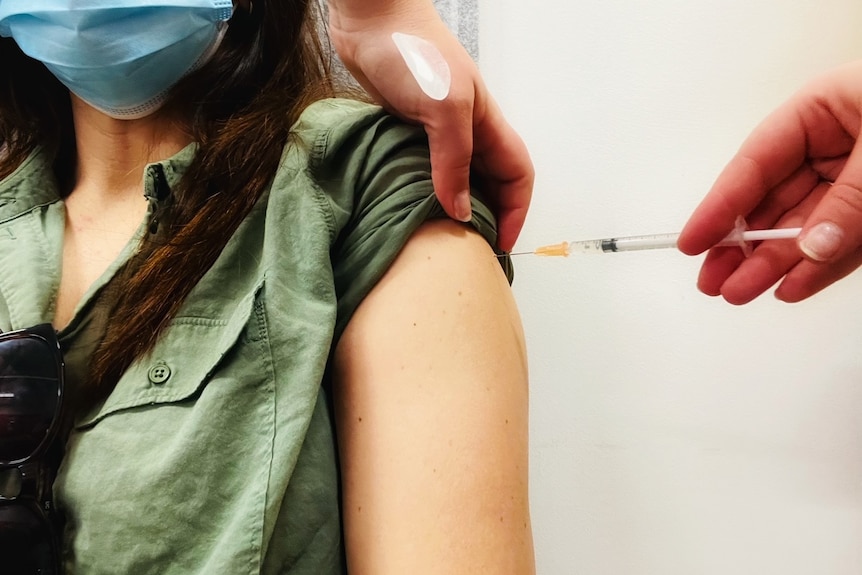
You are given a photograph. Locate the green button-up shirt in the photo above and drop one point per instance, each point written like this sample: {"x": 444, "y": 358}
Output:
{"x": 215, "y": 454}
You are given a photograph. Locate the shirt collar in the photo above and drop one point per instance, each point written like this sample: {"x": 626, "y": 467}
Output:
{"x": 33, "y": 183}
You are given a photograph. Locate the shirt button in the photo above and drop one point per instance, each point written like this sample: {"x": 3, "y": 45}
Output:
{"x": 159, "y": 373}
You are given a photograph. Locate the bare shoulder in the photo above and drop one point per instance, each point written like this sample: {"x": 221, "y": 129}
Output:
{"x": 446, "y": 260}
{"x": 431, "y": 403}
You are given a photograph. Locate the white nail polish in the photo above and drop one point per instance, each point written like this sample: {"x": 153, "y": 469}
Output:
{"x": 426, "y": 63}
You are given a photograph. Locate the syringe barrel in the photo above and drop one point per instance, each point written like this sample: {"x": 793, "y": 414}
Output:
{"x": 625, "y": 244}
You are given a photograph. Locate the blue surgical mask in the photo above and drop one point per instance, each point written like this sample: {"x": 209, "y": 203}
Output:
{"x": 119, "y": 56}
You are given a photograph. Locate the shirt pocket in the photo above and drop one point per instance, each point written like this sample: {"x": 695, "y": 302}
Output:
{"x": 170, "y": 475}
{"x": 181, "y": 362}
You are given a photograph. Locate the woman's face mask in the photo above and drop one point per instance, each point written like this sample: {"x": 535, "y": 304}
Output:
{"x": 119, "y": 56}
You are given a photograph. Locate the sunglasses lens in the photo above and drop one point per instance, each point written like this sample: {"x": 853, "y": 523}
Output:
{"x": 25, "y": 541}
{"x": 29, "y": 395}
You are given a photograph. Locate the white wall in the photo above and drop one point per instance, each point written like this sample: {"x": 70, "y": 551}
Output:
{"x": 673, "y": 433}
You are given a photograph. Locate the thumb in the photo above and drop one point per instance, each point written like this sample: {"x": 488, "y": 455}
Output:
{"x": 834, "y": 228}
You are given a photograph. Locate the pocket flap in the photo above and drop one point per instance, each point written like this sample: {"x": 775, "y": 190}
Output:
{"x": 182, "y": 361}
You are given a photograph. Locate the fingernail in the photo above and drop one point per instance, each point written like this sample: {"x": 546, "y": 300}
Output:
{"x": 822, "y": 241}
{"x": 463, "y": 209}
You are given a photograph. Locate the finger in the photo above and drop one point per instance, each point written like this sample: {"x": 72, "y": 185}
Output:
{"x": 808, "y": 278}
{"x": 773, "y": 151}
{"x": 718, "y": 265}
{"x": 830, "y": 168}
{"x": 834, "y": 229}
{"x": 450, "y": 139}
{"x": 510, "y": 223}
{"x": 721, "y": 263}
{"x": 502, "y": 163}
{"x": 783, "y": 198}
{"x": 770, "y": 260}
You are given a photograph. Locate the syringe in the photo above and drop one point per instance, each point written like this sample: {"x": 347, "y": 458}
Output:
{"x": 654, "y": 241}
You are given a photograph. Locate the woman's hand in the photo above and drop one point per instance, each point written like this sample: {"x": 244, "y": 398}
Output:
{"x": 467, "y": 132}
{"x": 801, "y": 167}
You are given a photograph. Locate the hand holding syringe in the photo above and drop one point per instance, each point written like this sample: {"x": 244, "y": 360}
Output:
{"x": 739, "y": 237}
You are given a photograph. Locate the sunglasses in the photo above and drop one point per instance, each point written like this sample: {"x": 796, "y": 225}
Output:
{"x": 31, "y": 390}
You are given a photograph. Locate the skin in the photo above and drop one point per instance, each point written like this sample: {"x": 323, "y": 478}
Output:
{"x": 466, "y": 131}
{"x": 431, "y": 410}
{"x": 105, "y": 205}
{"x": 802, "y": 166}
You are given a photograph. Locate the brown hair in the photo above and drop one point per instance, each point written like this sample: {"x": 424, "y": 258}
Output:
{"x": 240, "y": 107}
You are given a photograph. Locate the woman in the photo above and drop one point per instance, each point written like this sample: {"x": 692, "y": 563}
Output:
{"x": 241, "y": 271}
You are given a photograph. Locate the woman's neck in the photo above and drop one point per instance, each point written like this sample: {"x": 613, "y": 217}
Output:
{"x": 111, "y": 154}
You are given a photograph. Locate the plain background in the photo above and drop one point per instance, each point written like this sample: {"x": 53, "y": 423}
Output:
{"x": 673, "y": 433}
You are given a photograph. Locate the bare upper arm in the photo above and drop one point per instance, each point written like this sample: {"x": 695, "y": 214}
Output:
{"x": 431, "y": 410}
